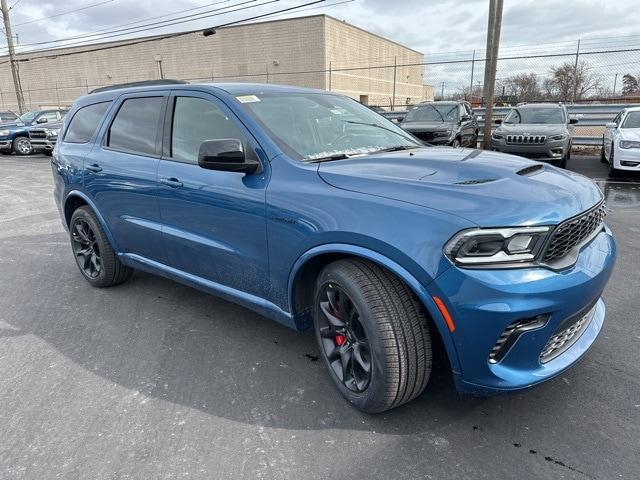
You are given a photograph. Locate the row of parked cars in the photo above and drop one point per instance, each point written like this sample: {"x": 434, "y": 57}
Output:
{"x": 536, "y": 131}
{"x": 35, "y": 131}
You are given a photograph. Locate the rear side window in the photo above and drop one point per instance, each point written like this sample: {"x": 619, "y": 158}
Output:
{"x": 85, "y": 122}
{"x": 135, "y": 127}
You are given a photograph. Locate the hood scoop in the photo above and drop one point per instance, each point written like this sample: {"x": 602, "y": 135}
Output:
{"x": 531, "y": 170}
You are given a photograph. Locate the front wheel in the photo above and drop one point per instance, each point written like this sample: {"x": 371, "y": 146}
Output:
{"x": 94, "y": 255}
{"x": 613, "y": 171}
{"x": 455, "y": 143}
{"x": 565, "y": 159}
{"x": 22, "y": 146}
{"x": 373, "y": 335}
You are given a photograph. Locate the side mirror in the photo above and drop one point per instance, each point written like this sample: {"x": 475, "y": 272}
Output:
{"x": 227, "y": 155}
{"x": 610, "y": 125}
{"x": 497, "y": 121}
{"x": 42, "y": 120}
{"x": 465, "y": 118}
{"x": 573, "y": 121}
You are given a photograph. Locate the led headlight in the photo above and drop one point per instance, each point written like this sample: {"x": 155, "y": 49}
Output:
{"x": 557, "y": 137}
{"x": 4, "y": 133}
{"x": 623, "y": 143}
{"x": 490, "y": 246}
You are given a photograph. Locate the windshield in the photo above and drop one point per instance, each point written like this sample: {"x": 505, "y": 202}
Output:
{"x": 632, "y": 120}
{"x": 6, "y": 116}
{"x": 311, "y": 126}
{"x": 28, "y": 117}
{"x": 549, "y": 115}
{"x": 433, "y": 113}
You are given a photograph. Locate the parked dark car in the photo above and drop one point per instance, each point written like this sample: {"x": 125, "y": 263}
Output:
{"x": 443, "y": 123}
{"x": 8, "y": 116}
{"x": 314, "y": 211}
{"x": 43, "y": 138}
{"x": 14, "y": 137}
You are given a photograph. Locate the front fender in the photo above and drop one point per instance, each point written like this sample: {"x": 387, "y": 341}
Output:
{"x": 418, "y": 288}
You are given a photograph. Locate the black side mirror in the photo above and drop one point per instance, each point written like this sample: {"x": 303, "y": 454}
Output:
{"x": 497, "y": 121}
{"x": 42, "y": 120}
{"x": 227, "y": 155}
{"x": 573, "y": 121}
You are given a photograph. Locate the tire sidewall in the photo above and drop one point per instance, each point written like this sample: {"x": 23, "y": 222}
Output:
{"x": 369, "y": 400}
{"x": 83, "y": 214}
{"x": 15, "y": 146}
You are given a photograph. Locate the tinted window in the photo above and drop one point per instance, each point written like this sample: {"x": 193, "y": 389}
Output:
{"x": 84, "y": 123}
{"x": 632, "y": 120}
{"x": 194, "y": 121}
{"x": 135, "y": 127}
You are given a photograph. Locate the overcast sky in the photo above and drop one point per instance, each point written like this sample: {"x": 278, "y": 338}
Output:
{"x": 434, "y": 27}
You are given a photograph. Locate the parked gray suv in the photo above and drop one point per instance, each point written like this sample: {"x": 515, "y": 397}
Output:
{"x": 538, "y": 131}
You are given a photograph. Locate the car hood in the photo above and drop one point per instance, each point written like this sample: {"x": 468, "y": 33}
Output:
{"x": 530, "y": 128}
{"x": 490, "y": 189}
{"x": 630, "y": 134}
{"x": 426, "y": 126}
{"x": 11, "y": 125}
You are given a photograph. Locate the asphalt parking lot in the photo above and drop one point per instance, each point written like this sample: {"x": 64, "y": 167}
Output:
{"x": 154, "y": 380}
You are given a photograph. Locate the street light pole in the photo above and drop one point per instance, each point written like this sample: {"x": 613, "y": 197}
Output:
{"x": 12, "y": 56}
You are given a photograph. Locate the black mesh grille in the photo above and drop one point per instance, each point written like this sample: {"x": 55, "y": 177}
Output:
{"x": 563, "y": 339}
{"x": 526, "y": 139}
{"x": 37, "y": 134}
{"x": 574, "y": 231}
{"x": 424, "y": 136}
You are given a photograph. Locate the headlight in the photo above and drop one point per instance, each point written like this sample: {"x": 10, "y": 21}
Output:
{"x": 4, "y": 133}
{"x": 623, "y": 143}
{"x": 558, "y": 137}
{"x": 442, "y": 133}
{"x": 52, "y": 132}
{"x": 497, "y": 136}
{"x": 479, "y": 247}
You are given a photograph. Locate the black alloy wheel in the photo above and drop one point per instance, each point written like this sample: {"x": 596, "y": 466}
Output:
{"x": 343, "y": 338}
{"x": 85, "y": 248}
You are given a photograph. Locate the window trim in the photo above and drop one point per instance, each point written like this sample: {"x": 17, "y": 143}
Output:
{"x": 163, "y": 95}
{"x": 168, "y": 123}
{"x": 97, "y": 129}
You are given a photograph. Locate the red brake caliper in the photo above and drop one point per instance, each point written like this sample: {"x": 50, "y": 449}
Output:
{"x": 340, "y": 339}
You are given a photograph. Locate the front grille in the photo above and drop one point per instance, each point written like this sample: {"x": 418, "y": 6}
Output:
{"x": 37, "y": 134}
{"x": 574, "y": 231}
{"x": 424, "y": 136}
{"x": 510, "y": 334}
{"x": 526, "y": 139}
{"x": 566, "y": 337}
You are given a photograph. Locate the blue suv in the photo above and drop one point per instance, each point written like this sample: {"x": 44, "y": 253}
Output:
{"x": 317, "y": 212}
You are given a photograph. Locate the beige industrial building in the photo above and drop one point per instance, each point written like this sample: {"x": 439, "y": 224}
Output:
{"x": 316, "y": 51}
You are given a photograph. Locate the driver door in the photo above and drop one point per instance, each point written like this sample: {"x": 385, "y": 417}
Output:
{"x": 214, "y": 223}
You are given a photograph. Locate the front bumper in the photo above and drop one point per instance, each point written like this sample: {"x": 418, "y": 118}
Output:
{"x": 551, "y": 151}
{"x": 43, "y": 143}
{"x": 429, "y": 137}
{"x": 483, "y": 303}
{"x": 627, "y": 159}
{"x": 6, "y": 145}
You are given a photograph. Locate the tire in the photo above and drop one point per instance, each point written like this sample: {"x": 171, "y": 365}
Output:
{"x": 475, "y": 140}
{"x": 21, "y": 146}
{"x": 565, "y": 159}
{"x": 386, "y": 321}
{"x": 47, "y": 153}
{"x": 88, "y": 240}
{"x": 456, "y": 143}
{"x": 603, "y": 158}
{"x": 613, "y": 172}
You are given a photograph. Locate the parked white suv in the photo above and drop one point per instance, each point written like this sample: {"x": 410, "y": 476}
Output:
{"x": 621, "y": 142}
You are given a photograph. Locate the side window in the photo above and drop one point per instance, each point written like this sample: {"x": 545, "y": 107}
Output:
{"x": 196, "y": 120}
{"x": 85, "y": 122}
{"x": 618, "y": 119}
{"x": 50, "y": 116}
{"x": 135, "y": 127}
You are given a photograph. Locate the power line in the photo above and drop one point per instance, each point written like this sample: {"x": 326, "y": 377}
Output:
{"x": 148, "y": 26}
{"x": 35, "y": 20}
{"x": 162, "y": 37}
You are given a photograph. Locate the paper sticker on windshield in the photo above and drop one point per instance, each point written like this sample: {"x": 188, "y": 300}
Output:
{"x": 247, "y": 99}
{"x": 338, "y": 111}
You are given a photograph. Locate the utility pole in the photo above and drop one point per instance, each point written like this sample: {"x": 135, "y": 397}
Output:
{"x": 575, "y": 74}
{"x": 395, "y": 68}
{"x": 473, "y": 64}
{"x": 491, "y": 63}
{"x": 615, "y": 84}
{"x": 12, "y": 56}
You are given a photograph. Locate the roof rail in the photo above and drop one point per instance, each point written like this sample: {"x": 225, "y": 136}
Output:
{"x": 143, "y": 83}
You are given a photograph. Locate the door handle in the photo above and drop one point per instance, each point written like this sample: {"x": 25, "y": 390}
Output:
{"x": 94, "y": 168}
{"x": 171, "y": 182}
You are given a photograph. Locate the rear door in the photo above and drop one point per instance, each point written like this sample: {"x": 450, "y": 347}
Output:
{"x": 214, "y": 223}
{"x": 121, "y": 173}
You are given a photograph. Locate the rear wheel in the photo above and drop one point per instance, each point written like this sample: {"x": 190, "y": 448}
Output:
{"x": 94, "y": 255}
{"x": 22, "y": 146}
{"x": 373, "y": 335}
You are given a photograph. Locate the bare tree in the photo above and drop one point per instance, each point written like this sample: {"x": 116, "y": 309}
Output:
{"x": 629, "y": 84}
{"x": 560, "y": 85}
{"x": 523, "y": 86}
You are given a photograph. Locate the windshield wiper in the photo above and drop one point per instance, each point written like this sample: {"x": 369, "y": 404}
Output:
{"x": 328, "y": 158}
{"x": 378, "y": 126}
{"x": 397, "y": 148}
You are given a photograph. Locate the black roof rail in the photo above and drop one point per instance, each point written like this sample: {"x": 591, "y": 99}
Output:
{"x": 143, "y": 83}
